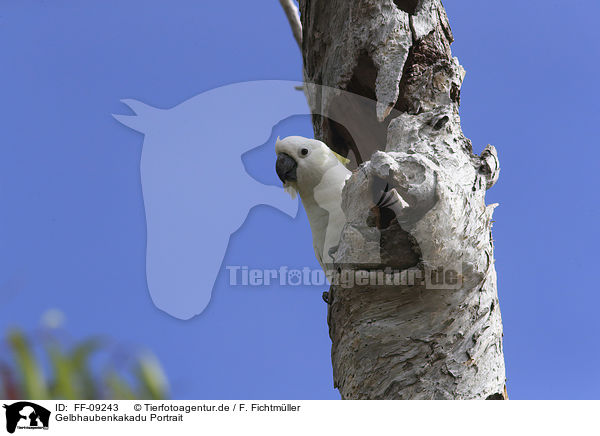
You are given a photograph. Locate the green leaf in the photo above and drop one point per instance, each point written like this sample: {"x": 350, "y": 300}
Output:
{"x": 31, "y": 375}
{"x": 64, "y": 384}
{"x": 80, "y": 363}
{"x": 152, "y": 379}
{"x": 119, "y": 389}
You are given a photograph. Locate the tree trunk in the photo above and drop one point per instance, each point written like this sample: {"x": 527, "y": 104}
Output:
{"x": 430, "y": 327}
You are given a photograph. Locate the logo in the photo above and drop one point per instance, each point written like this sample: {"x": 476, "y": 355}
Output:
{"x": 26, "y": 415}
{"x": 197, "y": 192}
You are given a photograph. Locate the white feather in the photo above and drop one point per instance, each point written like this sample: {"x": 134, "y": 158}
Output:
{"x": 321, "y": 176}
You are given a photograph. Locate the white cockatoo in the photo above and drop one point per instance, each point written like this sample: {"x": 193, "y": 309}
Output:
{"x": 310, "y": 168}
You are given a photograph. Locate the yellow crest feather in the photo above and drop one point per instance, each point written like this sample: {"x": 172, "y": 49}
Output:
{"x": 344, "y": 160}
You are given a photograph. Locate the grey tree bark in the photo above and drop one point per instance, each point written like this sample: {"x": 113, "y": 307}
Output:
{"x": 429, "y": 337}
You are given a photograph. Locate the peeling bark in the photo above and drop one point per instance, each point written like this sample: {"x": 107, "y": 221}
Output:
{"x": 415, "y": 340}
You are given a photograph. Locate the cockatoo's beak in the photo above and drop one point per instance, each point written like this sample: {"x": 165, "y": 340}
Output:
{"x": 286, "y": 168}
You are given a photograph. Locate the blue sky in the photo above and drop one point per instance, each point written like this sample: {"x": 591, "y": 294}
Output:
{"x": 72, "y": 225}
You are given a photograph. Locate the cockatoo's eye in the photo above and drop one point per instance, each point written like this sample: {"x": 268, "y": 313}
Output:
{"x": 304, "y": 152}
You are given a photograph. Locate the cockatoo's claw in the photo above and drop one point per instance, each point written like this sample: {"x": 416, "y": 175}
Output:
{"x": 387, "y": 198}
{"x": 392, "y": 200}
{"x": 325, "y": 297}
{"x": 379, "y": 188}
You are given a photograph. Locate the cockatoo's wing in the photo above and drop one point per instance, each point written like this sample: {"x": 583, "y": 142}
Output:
{"x": 328, "y": 196}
